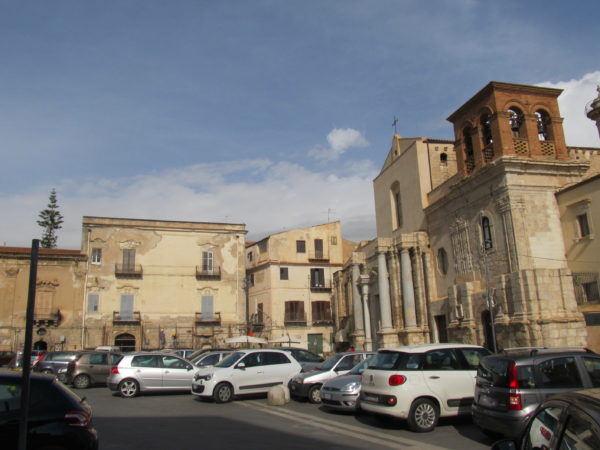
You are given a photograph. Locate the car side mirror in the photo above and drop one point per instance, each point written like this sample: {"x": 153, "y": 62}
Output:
{"x": 241, "y": 366}
{"x": 505, "y": 444}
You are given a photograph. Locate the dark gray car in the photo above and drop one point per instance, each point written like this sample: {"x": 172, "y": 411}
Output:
{"x": 52, "y": 362}
{"x": 510, "y": 386}
{"x": 90, "y": 368}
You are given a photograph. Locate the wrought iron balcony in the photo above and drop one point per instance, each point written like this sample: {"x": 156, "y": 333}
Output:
{"x": 297, "y": 319}
{"x": 318, "y": 256}
{"x": 133, "y": 318}
{"x": 47, "y": 318}
{"x": 208, "y": 319}
{"x": 203, "y": 273}
{"x": 322, "y": 321}
{"x": 320, "y": 286}
{"x": 128, "y": 270}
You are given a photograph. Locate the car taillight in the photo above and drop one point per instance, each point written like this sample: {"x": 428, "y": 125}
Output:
{"x": 114, "y": 370}
{"x": 397, "y": 380}
{"x": 78, "y": 419}
{"x": 514, "y": 397}
{"x": 41, "y": 357}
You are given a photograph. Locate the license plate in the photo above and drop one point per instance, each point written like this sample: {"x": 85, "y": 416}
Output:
{"x": 486, "y": 400}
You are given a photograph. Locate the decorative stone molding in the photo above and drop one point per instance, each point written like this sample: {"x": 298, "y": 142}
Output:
{"x": 129, "y": 244}
{"x": 11, "y": 271}
{"x": 48, "y": 284}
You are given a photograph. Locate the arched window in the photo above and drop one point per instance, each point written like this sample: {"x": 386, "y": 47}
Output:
{"x": 396, "y": 201}
{"x": 442, "y": 260}
{"x": 469, "y": 154}
{"x": 516, "y": 120}
{"x": 486, "y": 232}
{"x": 543, "y": 125}
{"x": 443, "y": 159}
{"x": 486, "y": 129}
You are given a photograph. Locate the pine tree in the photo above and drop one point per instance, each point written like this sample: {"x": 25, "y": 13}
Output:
{"x": 51, "y": 220}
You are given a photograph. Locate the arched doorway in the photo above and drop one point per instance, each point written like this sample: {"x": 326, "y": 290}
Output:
{"x": 126, "y": 342}
{"x": 40, "y": 345}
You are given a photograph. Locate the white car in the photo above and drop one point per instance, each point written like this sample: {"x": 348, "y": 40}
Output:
{"x": 421, "y": 383}
{"x": 245, "y": 372}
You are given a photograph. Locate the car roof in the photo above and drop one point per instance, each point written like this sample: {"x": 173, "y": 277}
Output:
{"x": 420, "y": 348}
{"x": 14, "y": 374}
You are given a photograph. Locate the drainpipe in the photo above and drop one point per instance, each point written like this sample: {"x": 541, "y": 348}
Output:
{"x": 85, "y": 287}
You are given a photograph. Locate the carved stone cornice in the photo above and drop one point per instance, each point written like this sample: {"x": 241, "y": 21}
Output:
{"x": 129, "y": 244}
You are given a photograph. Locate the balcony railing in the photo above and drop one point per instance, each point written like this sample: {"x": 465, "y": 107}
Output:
{"x": 297, "y": 319}
{"x": 318, "y": 256}
{"x": 128, "y": 270}
{"x": 320, "y": 286}
{"x": 47, "y": 318}
{"x": 133, "y": 318}
{"x": 322, "y": 321}
{"x": 208, "y": 274}
{"x": 208, "y": 318}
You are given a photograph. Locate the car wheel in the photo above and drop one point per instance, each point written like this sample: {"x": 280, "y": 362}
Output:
{"x": 82, "y": 382}
{"x": 314, "y": 394}
{"x": 223, "y": 393}
{"x": 129, "y": 388}
{"x": 423, "y": 415}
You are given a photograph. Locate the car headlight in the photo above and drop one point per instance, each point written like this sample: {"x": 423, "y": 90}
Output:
{"x": 351, "y": 387}
{"x": 206, "y": 376}
{"x": 298, "y": 380}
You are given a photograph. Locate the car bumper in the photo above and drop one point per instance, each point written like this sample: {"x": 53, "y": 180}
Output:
{"x": 339, "y": 400}
{"x": 299, "y": 389}
{"x": 508, "y": 423}
{"x": 204, "y": 389}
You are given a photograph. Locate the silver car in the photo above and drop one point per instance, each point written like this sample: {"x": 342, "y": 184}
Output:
{"x": 342, "y": 393}
{"x": 141, "y": 372}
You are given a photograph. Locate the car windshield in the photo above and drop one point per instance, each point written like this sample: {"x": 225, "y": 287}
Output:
{"x": 330, "y": 363}
{"x": 230, "y": 360}
{"x": 361, "y": 366}
{"x": 305, "y": 356}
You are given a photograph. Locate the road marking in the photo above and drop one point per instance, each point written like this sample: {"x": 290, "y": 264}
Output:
{"x": 364, "y": 434}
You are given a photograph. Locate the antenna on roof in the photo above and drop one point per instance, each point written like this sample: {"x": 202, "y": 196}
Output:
{"x": 394, "y": 123}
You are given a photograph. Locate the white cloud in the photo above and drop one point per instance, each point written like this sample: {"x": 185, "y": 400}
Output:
{"x": 340, "y": 140}
{"x": 277, "y": 196}
{"x": 579, "y": 130}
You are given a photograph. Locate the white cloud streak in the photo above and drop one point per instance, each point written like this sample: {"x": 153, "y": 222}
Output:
{"x": 339, "y": 140}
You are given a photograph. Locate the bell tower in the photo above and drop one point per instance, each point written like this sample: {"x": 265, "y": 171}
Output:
{"x": 506, "y": 119}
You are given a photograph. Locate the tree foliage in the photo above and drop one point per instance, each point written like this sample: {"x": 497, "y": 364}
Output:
{"x": 51, "y": 220}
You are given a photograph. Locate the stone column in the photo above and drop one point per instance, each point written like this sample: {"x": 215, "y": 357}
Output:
{"x": 364, "y": 280}
{"x": 384, "y": 293}
{"x": 357, "y": 302}
{"x": 408, "y": 292}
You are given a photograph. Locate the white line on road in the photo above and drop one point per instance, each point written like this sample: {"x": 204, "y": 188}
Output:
{"x": 364, "y": 434}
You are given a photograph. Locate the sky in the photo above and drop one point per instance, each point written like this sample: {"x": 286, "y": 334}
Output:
{"x": 274, "y": 114}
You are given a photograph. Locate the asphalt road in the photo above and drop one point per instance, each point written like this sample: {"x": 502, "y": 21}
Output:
{"x": 181, "y": 421}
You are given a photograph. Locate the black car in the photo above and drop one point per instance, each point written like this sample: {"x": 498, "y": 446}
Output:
{"x": 565, "y": 421}
{"x": 52, "y": 362}
{"x": 58, "y": 418}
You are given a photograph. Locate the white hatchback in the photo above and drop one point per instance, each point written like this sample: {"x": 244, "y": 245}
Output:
{"x": 245, "y": 372}
{"x": 421, "y": 383}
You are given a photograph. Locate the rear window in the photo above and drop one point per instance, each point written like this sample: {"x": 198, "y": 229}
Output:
{"x": 495, "y": 371}
{"x": 389, "y": 360}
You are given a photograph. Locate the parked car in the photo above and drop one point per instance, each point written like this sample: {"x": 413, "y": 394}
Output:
{"x": 308, "y": 384}
{"x": 184, "y": 353}
{"x": 421, "y": 383}
{"x": 148, "y": 371}
{"x": 342, "y": 392}
{"x": 58, "y": 418}
{"x": 510, "y": 386}
{"x": 5, "y": 357}
{"x": 108, "y": 348}
{"x": 88, "y": 368}
{"x": 569, "y": 420}
{"x": 17, "y": 360}
{"x": 307, "y": 359}
{"x": 52, "y": 362}
{"x": 209, "y": 359}
{"x": 205, "y": 350}
{"x": 245, "y": 372}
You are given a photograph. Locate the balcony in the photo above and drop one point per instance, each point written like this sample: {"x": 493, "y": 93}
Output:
{"x": 322, "y": 322}
{"x": 132, "y": 318}
{"x": 208, "y": 319}
{"x": 128, "y": 271}
{"x": 47, "y": 318}
{"x": 298, "y": 319}
{"x": 318, "y": 256}
{"x": 208, "y": 274}
{"x": 320, "y": 286}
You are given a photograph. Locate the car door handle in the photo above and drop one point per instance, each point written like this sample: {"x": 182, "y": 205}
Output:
{"x": 434, "y": 377}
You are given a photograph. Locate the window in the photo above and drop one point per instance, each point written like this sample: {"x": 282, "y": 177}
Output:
{"x": 440, "y": 360}
{"x": 348, "y": 362}
{"x": 592, "y": 367}
{"x": 260, "y": 313}
{"x": 300, "y": 246}
{"x": 273, "y": 358}
{"x": 254, "y": 359}
{"x": 93, "y": 302}
{"x": 543, "y": 125}
{"x": 580, "y": 433}
{"x": 486, "y": 129}
{"x": 444, "y": 159}
{"x": 559, "y": 373}
{"x": 469, "y": 153}
{"x": 99, "y": 358}
{"x": 129, "y": 258}
{"x": 145, "y": 361}
{"x": 396, "y": 198}
{"x": 126, "y": 307}
{"x": 249, "y": 256}
{"x": 251, "y": 280}
{"x": 207, "y": 262}
{"x": 283, "y": 273}
{"x": 207, "y": 307}
{"x": 174, "y": 363}
{"x": 96, "y": 255}
{"x": 584, "y": 226}
{"x": 486, "y": 232}
{"x": 516, "y": 120}
{"x": 333, "y": 240}
{"x": 294, "y": 311}
{"x": 472, "y": 356}
{"x": 542, "y": 428}
{"x": 321, "y": 311}
{"x": 317, "y": 278}
{"x": 442, "y": 260}
{"x": 591, "y": 291}
{"x": 319, "y": 248}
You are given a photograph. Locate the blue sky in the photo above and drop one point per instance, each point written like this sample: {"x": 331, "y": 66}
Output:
{"x": 276, "y": 114}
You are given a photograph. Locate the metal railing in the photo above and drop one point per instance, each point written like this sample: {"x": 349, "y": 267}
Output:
{"x": 135, "y": 317}
{"x": 208, "y": 274}
{"x": 128, "y": 270}
{"x": 208, "y": 318}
